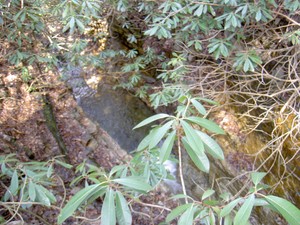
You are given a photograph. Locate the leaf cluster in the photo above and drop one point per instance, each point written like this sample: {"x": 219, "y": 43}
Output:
{"x": 29, "y": 181}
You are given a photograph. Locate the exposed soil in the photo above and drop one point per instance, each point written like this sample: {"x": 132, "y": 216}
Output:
{"x": 24, "y": 131}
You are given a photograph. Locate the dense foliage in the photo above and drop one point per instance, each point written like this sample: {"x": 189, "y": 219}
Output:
{"x": 235, "y": 51}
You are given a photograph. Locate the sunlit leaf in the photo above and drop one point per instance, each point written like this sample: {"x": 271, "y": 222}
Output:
{"x": 200, "y": 159}
{"x": 14, "y": 183}
{"x": 257, "y": 177}
{"x": 49, "y": 171}
{"x": 97, "y": 194}
{"x": 66, "y": 165}
{"x": 192, "y": 138}
{"x": 145, "y": 142}
{"x": 41, "y": 196}
{"x": 49, "y": 194}
{"x": 242, "y": 216}
{"x": 31, "y": 191}
{"x": 136, "y": 183}
{"x": 198, "y": 106}
{"x": 159, "y": 134}
{"x": 228, "y": 220}
{"x": 80, "y": 25}
{"x": 108, "y": 213}
{"x": 212, "y": 102}
{"x": 187, "y": 217}
{"x": 290, "y": 212}
{"x": 167, "y": 147}
{"x": 151, "y": 119}
{"x": 229, "y": 207}
{"x": 211, "y": 146}
{"x": 122, "y": 210}
{"x": 204, "y": 214}
{"x": 152, "y": 31}
{"x": 116, "y": 169}
{"x": 212, "y": 218}
{"x": 177, "y": 211}
{"x": 260, "y": 202}
{"x": 76, "y": 201}
{"x": 72, "y": 23}
{"x": 208, "y": 124}
{"x": 179, "y": 196}
{"x": 258, "y": 15}
{"x": 207, "y": 194}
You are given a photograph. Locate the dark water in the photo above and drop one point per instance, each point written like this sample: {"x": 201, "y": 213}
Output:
{"x": 116, "y": 111}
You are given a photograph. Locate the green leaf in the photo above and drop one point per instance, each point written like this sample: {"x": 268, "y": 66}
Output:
{"x": 179, "y": 196}
{"x": 80, "y": 197}
{"x": 207, "y": 194}
{"x": 187, "y": 217}
{"x": 136, "y": 183}
{"x": 212, "y": 102}
{"x": 212, "y": 147}
{"x": 31, "y": 191}
{"x": 228, "y": 220}
{"x": 198, "y": 106}
{"x": 48, "y": 194}
{"x": 242, "y": 216}
{"x": 80, "y": 25}
{"x": 167, "y": 147}
{"x": 255, "y": 58}
{"x": 290, "y": 212}
{"x": 108, "y": 213}
{"x": 4, "y": 170}
{"x": 213, "y": 46}
{"x": 208, "y": 124}
{"x": 212, "y": 218}
{"x": 210, "y": 202}
{"x": 41, "y": 196}
{"x": 192, "y": 138}
{"x": 204, "y": 215}
{"x": 17, "y": 15}
{"x": 151, "y": 119}
{"x": 72, "y": 23}
{"x": 123, "y": 212}
{"x": 145, "y": 142}
{"x": 261, "y": 202}
{"x": 163, "y": 32}
{"x": 229, "y": 207}
{"x": 160, "y": 133}
{"x": 247, "y": 65}
{"x": 151, "y": 31}
{"x": 177, "y": 211}
{"x": 14, "y": 183}
{"x": 63, "y": 164}
{"x": 49, "y": 171}
{"x": 258, "y": 15}
{"x": 116, "y": 169}
{"x": 257, "y": 177}
{"x": 200, "y": 159}
{"x": 97, "y": 194}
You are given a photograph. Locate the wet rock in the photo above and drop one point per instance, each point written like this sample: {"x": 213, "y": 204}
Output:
{"x": 89, "y": 125}
{"x": 92, "y": 144}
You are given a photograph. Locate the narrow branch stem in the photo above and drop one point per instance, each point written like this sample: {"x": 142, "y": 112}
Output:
{"x": 180, "y": 168}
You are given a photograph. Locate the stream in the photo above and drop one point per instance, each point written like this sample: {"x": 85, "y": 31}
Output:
{"x": 116, "y": 111}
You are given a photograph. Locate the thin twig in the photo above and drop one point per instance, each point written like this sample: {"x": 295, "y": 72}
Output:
{"x": 180, "y": 168}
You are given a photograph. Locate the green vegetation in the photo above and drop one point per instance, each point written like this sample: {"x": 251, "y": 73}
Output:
{"x": 239, "y": 52}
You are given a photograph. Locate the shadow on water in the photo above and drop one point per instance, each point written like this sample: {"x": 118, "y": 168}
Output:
{"x": 116, "y": 111}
